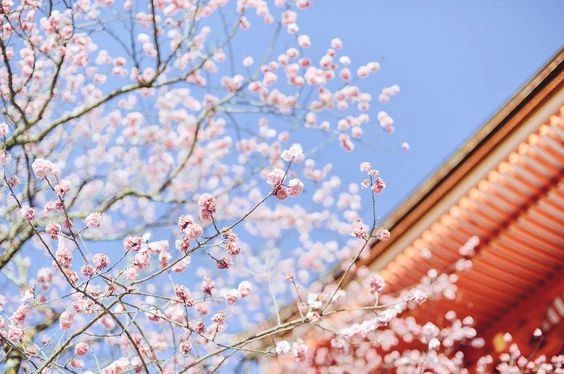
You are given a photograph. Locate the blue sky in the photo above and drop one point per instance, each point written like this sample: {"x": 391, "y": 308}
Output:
{"x": 457, "y": 62}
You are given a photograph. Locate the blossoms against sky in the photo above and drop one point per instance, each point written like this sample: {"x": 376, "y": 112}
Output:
{"x": 165, "y": 192}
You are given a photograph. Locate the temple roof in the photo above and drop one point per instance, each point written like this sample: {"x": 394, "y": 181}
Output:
{"x": 505, "y": 186}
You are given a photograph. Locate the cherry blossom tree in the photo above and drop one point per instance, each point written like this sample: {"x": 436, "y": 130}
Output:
{"x": 163, "y": 195}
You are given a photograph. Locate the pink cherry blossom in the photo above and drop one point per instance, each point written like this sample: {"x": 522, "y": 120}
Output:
{"x": 81, "y": 349}
{"x": 62, "y": 188}
{"x": 363, "y": 71}
{"x": 13, "y": 181}
{"x": 93, "y": 219}
{"x": 295, "y": 187}
{"x": 15, "y": 333}
{"x": 28, "y": 213}
{"x": 207, "y": 206}
{"x": 383, "y": 235}
{"x": 184, "y": 296}
{"x": 43, "y": 168}
{"x": 231, "y": 296}
{"x": 207, "y": 286}
{"x": 377, "y": 283}
{"x": 378, "y": 185}
{"x": 358, "y": 229}
{"x": 185, "y": 347}
{"x": 65, "y": 320}
{"x": 101, "y": 261}
{"x": 245, "y": 289}
{"x": 304, "y": 41}
{"x": 88, "y": 270}
{"x": 295, "y": 154}
{"x": 63, "y": 257}
{"x": 53, "y": 230}
{"x": 133, "y": 243}
{"x": 187, "y": 225}
{"x": 275, "y": 177}
{"x": 219, "y": 318}
{"x": 336, "y": 43}
{"x": 231, "y": 243}
{"x": 248, "y": 61}
{"x": 283, "y": 347}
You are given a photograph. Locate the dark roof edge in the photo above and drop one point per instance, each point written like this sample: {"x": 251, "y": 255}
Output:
{"x": 495, "y": 124}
